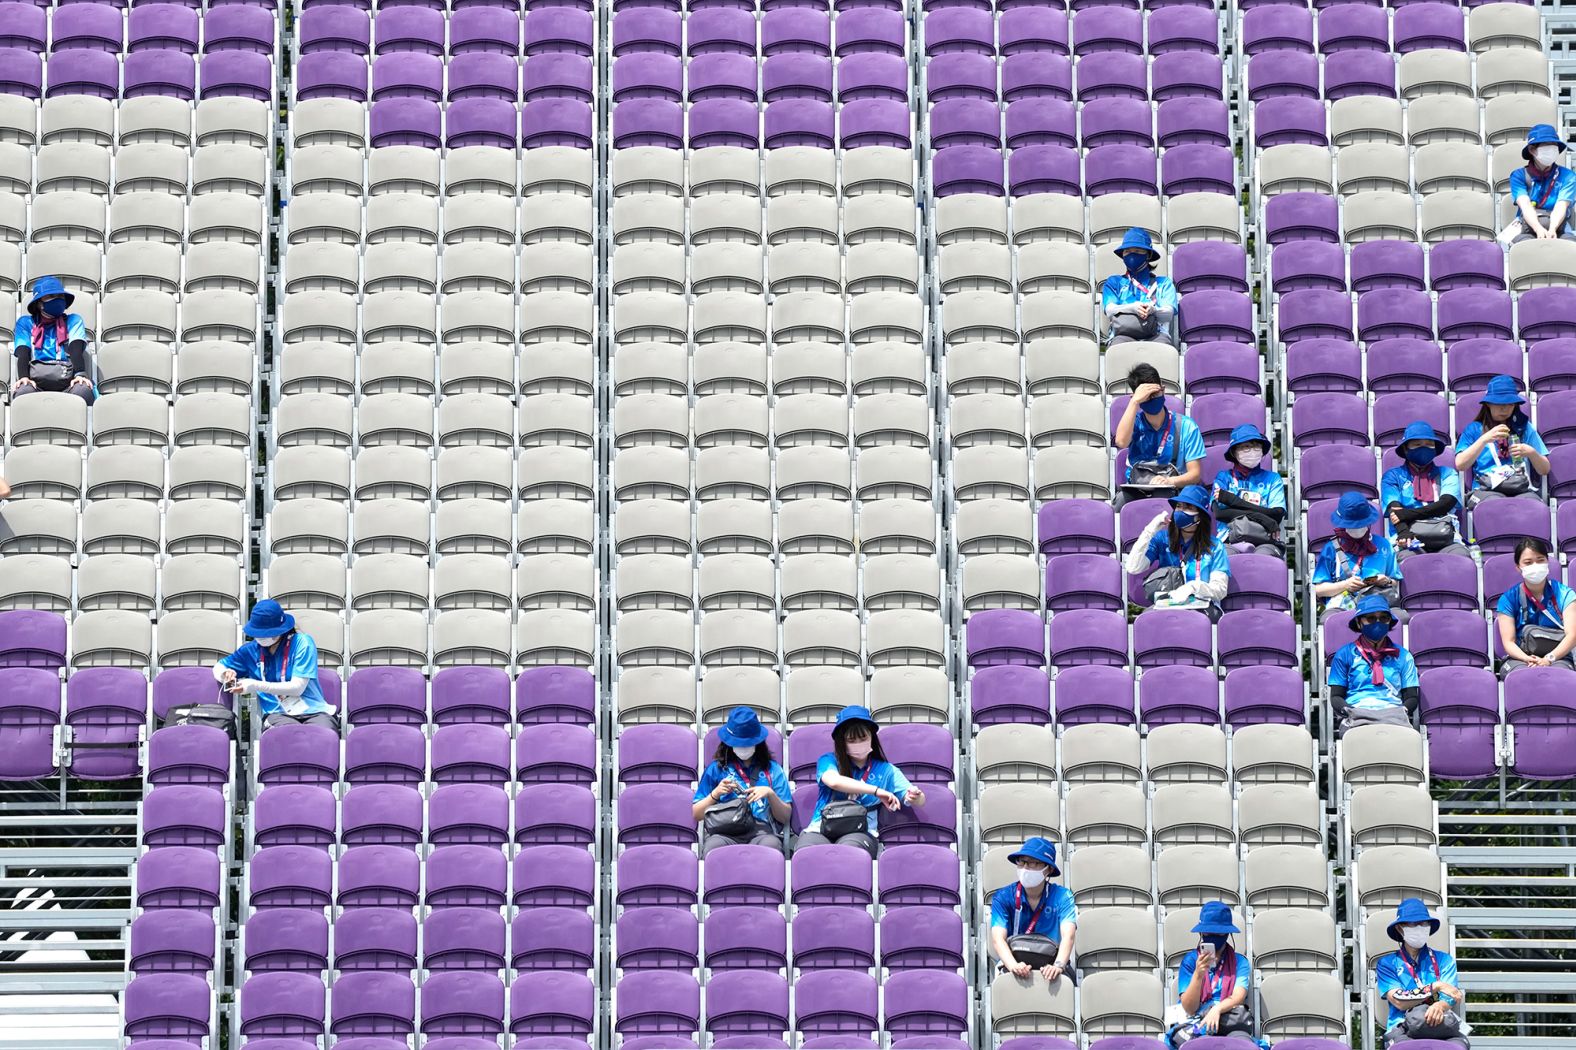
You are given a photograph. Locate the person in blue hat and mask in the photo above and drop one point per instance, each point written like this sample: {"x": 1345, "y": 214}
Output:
{"x": 1250, "y": 498}
{"x": 1372, "y": 680}
{"x": 1165, "y": 448}
{"x": 1138, "y": 303}
{"x": 279, "y": 665}
{"x": 1421, "y": 497}
{"x": 743, "y": 771}
{"x": 1500, "y": 445}
{"x": 855, "y": 779}
{"x": 1355, "y": 563}
{"x": 1419, "y": 981}
{"x": 1536, "y": 619}
{"x": 1182, "y": 565}
{"x": 1023, "y": 913}
{"x": 1543, "y": 191}
{"x": 1213, "y": 982}
{"x": 51, "y": 344}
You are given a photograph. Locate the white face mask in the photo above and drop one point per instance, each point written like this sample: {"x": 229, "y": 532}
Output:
{"x": 1250, "y": 458}
{"x": 859, "y": 752}
{"x": 1356, "y": 534}
{"x": 267, "y": 643}
{"x": 1031, "y": 879}
{"x": 1535, "y": 573}
{"x": 744, "y": 754}
{"x": 1414, "y": 936}
{"x": 1546, "y": 155}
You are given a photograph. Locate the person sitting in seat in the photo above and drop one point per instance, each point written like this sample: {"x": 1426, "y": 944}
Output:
{"x": 1372, "y": 680}
{"x": 1543, "y": 191}
{"x": 1139, "y": 304}
{"x": 855, "y": 778}
{"x": 1355, "y": 563}
{"x": 1418, "y": 981}
{"x": 1183, "y": 568}
{"x": 1500, "y": 444}
{"x": 1421, "y": 498}
{"x": 1033, "y": 922}
{"x": 1537, "y": 619}
{"x": 1165, "y": 448}
{"x": 279, "y": 665}
{"x": 743, "y": 797}
{"x": 1213, "y": 982}
{"x": 1249, "y": 498}
{"x": 51, "y": 344}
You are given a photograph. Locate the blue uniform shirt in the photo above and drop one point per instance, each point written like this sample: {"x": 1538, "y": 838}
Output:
{"x": 882, "y": 775}
{"x": 1263, "y": 488}
{"x": 1392, "y": 973}
{"x": 1178, "y": 442}
{"x": 1396, "y": 487}
{"x": 775, "y": 778}
{"x": 1056, "y": 907}
{"x": 1161, "y": 556}
{"x": 1349, "y": 667}
{"x": 1549, "y": 612}
{"x": 1120, "y": 289}
{"x": 1536, "y": 190}
{"x": 1489, "y": 458}
{"x": 1212, "y": 990}
{"x": 47, "y": 350}
{"x": 1333, "y": 564}
{"x": 267, "y": 665}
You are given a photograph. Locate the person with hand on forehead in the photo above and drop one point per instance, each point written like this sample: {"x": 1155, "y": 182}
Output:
{"x": 856, "y": 770}
{"x": 1418, "y": 981}
{"x": 1182, "y": 538}
{"x": 1372, "y": 680}
{"x": 1543, "y": 191}
{"x": 51, "y": 344}
{"x": 1213, "y": 981}
{"x": 279, "y": 665}
{"x": 1034, "y": 906}
{"x": 1139, "y": 304}
{"x": 1536, "y": 618}
{"x": 743, "y": 769}
{"x": 1165, "y": 448}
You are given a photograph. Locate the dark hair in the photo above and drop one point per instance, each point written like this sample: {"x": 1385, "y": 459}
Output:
{"x": 840, "y": 735}
{"x": 1140, "y": 374}
{"x": 1529, "y": 543}
{"x": 760, "y": 761}
{"x": 1203, "y": 535}
{"x": 1517, "y": 421}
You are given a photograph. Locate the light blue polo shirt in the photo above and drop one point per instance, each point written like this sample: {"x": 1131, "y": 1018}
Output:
{"x": 883, "y": 775}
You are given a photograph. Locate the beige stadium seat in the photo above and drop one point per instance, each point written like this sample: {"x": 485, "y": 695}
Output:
{"x": 1112, "y": 214}
{"x": 463, "y": 637}
{"x": 1451, "y": 166}
{"x": 1373, "y": 166}
{"x": 1541, "y": 264}
{"x": 647, "y": 169}
{"x": 316, "y": 581}
{"x": 1062, "y": 365}
{"x": 984, "y": 368}
{"x": 1381, "y": 755}
{"x": 121, "y": 638}
{"x": 1507, "y": 118}
{"x": 1379, "y": 216}
{"x": 115, "y": 471}
{"x": 804, "y": 526}
{"x": 1273, "y": 754}
{"x": 816, "y": 694}
{"x": 1031, "y": 1006}
{"x": 981, "y": 315}
{"x": 549, "y": 526}
{"x": 480, "y": 169}
{"x": 879, "y": 218}
{"x": 891, "y": 419}
{"x": 1047, "y": 217}
{"x": 1001, "y": 581}
{"x": 404, "y": 169}
{"x": 1057, "y": 314}
{"x": 1295, "y": 939}
{"x": 1435, "y": 71}
{"x": 1015, "y": 754}
{"x": 1512, "y": 70}
{"x": 67, "y": 215}
{"x": 199, "y": 472}
{"x": 1392, "y": 815}
{"x": 1365, "y": 118}
{"x": 910, "y": 694}
{"x": 974, "y": 266}
{"x": 1203, "y": 217}
{"x": 901, "y": 581}
{"x": 557, "y": 169}
{"x": 1186, "y": 752}
{"x": 328, "y": 121}
{"x": 1302, "y": 1005}
{"x": 1287, "y": 877}
{"x": 1116, "y": 939}
{"x": 656, "y": 526}
{"x": 810, "y": 419}
{"x": 1120, "y": 359}
{"x": 381, "y": 581}
{"x": 1122, "y": 1002}
{"x": 878, "y": 170}
{"x": 987, "y": 526}
{"x": 1067, "y": 419}
{"x": 738, "y": 581}
{"x": 654, "y": 695}
{"x": 809, "y": 581}
{"x": 800, "y": 169}
{"x": 1072, "y": 472}
{"x": 399, "y": 368}
{"x": 1453, "y": 214}
{"x": 1443, "y": 118}
{"x": 1189, "y": 875}
{"x": 732, "y": 472}
{"x": 888, "y": 367}
{"x": 555, "y": 636}
{"x": 654, "y": 581}
{"x": 76, "y": 118}
{"x": 648, "y": 218}
{"x": 726, "y": 218}
{"x": 1192, "y": 813}
{"x": 19, "y": 120}
{"x": 821, "y": 637}
{"x": 1111, "y": 876}
{"x": 722, "y": 688}
{"x": 118, "y": 581}
{"x": 738, "y": 637}
{"x": 1280, "y": 814}
{"x": 1097, "y": 753}
{"x": 731, "y": 420}
{"x": 897, "y": 526}
{"x": 472, "y": 526}
{"x": 1011, "y": 812}
{"x": 990, "y": 472}
{"x": 476, "y": 218}
{"x": 892, "y": 471}
{"x": 556, "y": 473}
{"x": 72, "y": 166}
{"x": 222, "y": 217}
{"x": 1504, "y": 25}
{"x": 1294, "y": 168}
{"x": 886, "y": 316}
{"x": 199, "y": 637}
{"x": 898, "y": 637}
{"x": 1106, "y": 814}
{"x": 39, "y": 581}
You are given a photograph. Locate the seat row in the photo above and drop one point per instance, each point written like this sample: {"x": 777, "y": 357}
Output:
{"x": 105, "y": 27}
{"x": 164, "y": 72}
{"x": 1283, "y": 72}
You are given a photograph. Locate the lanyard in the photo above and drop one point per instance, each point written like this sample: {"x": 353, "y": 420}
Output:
{"x": 1036, "y": 914}
{"x": 1424, "y": 957}
{"x": 284, "y": 661}
{"x": 1538, "y": 607}
{"x": 1212, "y": 977}
{"x": 1165, "y": 436}
{"x": 744, "y": 778}
{"x": 1148, "y": 293}
{"x": 1545, "y": 192}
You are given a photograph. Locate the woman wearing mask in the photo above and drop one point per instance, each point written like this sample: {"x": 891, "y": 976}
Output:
{"x": 1183, "y": 567}
{"x": 1138, "y": 303}
{"x": 1033, "y": 922}
{"x": 1421, "y": 498}
{"x": 1250, "y": 499}
{"x": 1543, "y": 191}
{"x": 1213, "y": 982}
{"x": 855, "y": 777}
{"x": 51, "y": 344}
{"x": 743, "y": 797}
{"x": 1372, "y": 680}
{"x": 1418, "y": 981}
{"x": 279, "y": 665}
{"x": 1536, "y": 620}
{"x": 1500, "y": 445}
{"x": 1355, "y": 564}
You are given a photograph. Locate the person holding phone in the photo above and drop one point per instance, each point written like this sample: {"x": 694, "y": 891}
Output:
{"x": 1501, "y": 446}
{"x": 743, "y": 797}
{"x": 855, "y": 780}
{"x": 1356, "y": 562}
{"x": 1213, "y": 982}
{"x": 1034, "y": 922}
{"x": 279, "y": 666}
{"x": 1419, "y": 981}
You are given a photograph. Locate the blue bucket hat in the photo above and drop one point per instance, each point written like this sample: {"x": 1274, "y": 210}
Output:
{"x": 1137, "y": 238}
{"x": 1541, "y": 135}
{"x": 1374, "y": 603}
{"x": 268, "y": 620}
{"x": 855, "y": 713}
{"x": 1037, "y": 848}
{"x": 1215, "y": 917}
{"x": 1193, "y": 496}
{"x": 1245, "y": 434}
{"x": 47, "y": 286}
{"x": 1501, "y": 390}
{"x": 1353, "y": 512}
{"x": 1419, "y": 431}
{"x": 1408, "y": 912}
{"x": 742, "y": 729}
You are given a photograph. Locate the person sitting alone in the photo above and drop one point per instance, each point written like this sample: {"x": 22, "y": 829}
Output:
{"x": 1419, "y": 981}
{"x": 1250, "y": 498}
{"x": 1034, "y": 922}
{"x": 51, "y": 344}
{"x": 1543, "y": 191}
{"x": 1501, "y": 446}
{"x": 1213, "y": 981}
{"x": 1536, "y": 619}
{"x": 279, "y": 666}
{"x": 1165, "y": 450}
{"x": 1355, "y": 563}
{"x": 1183, "y": 567}
{"x": 1139, "y": 304}
{"x": 1372, "y": 680}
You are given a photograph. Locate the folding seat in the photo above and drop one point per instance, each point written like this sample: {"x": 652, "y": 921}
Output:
{"x": 376, "y": 938}
{"x": 1457, "y": 213}
{"x": 1466, "y": 264}
{"x": 385, "y": 753}
{"x": 1381, "y": 755}
{"x": 1168, "y": 636}
{"x": 179, "y": 877}
{"x": 1540, "y": 724}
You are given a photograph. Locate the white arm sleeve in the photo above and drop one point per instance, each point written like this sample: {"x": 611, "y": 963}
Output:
{"x": 1138, "y": 557}
{"x": 219, "y": 671}
{"x": 297, "y": 686}
{"x": 1213, "y": 589}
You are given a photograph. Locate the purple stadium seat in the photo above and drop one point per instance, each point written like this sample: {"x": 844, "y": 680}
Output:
{"x": 1117, "y": 74}
{"x": 1308, "y": 265}
{"x": 876, "y": 30}
{"x": 1198, "y": 168}
{"x": 1545, "y": 313}
{"x": 1083, "y": 581}
{"x": 723, "y": 122}
{"x": 185, "y": 754}
{"x": 470, "y": 694}
{"x": 1172, "y": 694}
{"x": 1394, "y": 313}
{"x": 555, "y": 122}
{"x": 1473, "y": 362}
{"x": 1183, "y": 29}
{"x": 656, "y": 1002}
{"x": 796, "y": 75}
{"x": 1404, "y": 365}
{"x": 290, "y": 877}
{"x": 834, "y": 938}
{"x": 1466, "y": 263}
{"x": 1172, "y": 637}
{"x": 1261, "y": 695}
{"x": 876, "y": 122}
{"x": 299, "y": 754}
{"x": 285, "y": 939}
{"x": 1542, "y": 715}
{"x": 568, "y": 76}
{"x": 22, "y": 72}
{"x": 378, "y": 876}
{"x": 1033, "y": 169}
{"x": 748, "y": 937}
{"x": 1258, "y": 638}
{"x": 237, "y": 74}
{"x": 1010, "y": 693}
{"x": 554, "y": 814}
{"x": 657, "y": 753}
{"x": 648, "y": 76}
{"x": 830, "y": 876}
{"x": 646, "y": 29}
{"x": 1556, "y": 417}
{"x": 961, "y": 122}
{"x": 1459, "y": 711}
{"x": 1448, "y": 638}
{"x": 406, "y": 29}
{"x": 872, "y": 75}
{"x": 369, "y": 1003}
{"x": 721, "y": 30}
{"x": 34, "y": 639}
{"x": 1315, "y": 366}
{"x": 1429, "y": 25}
{"x": 836, "y": 1003}
{"x": 1329, "y": 419}
{"x": 171, "y": 940}
{"x": 1351, "y": 73}
{"x": 86, "y": 27}
{"x": 178, "y": 877}
{"x": 1038, "y": 1042}
{"x": 1218, "y": 414}
{"x": 384, "y": 694}
{"x": 918, "y": 875}
{"x": 25, "y": 27}
{"x": 554, "y": 876}
{"x": 1026, "y": 29}
{"x": 1551, "y": 365}
{"x": 933, "y": 824}
{"x": 1386, "y": 264}
{"x": 655, "y": 815}
{"x": 1279, "y": 28}
{"x": 1186, "y": 74}
{"x": 381, "y": 814}
{"x": 1183, "y": 120}
{"x": 923, "y": 752}
{"x": 1043, "y": 122}
{"x": 1498, "y": 524}
{"x": 463, "y": 1002}
{"x": 1562, "y": 475}
{"x": 280, "y": 1004}
{"x": 485, "y": 76}
{"x": 926, "y": 937}
{"x": 1278, "y": 74}
{"x": 1439, "y": 581}
{"x": 335, "y": 28}
{"x": 29, "y": 713}
{"x": 555, "y": 694}
{"x": 795, "y": 30}
{"x": 387, "y": 753}
{"x": 1474, "y": 312}
{"x": 162, "y": 26}
{"x": 478, "y": 30}
{"x": 1209, "y": 265}
{"x": 1315, "y": 314}
{"x": 187, "y": 815}
{"x": 1330, "y": 470}
{"x": 1121, "y": 169}
{"x": 953, "y": 29}
{"x": 1302, "y": 217}
{"x": 1094, "y": 694}
{"x": 95, "y": 73}
{"x": 1258, "y": 581}
{"x": 560, "y": 28}
{"x": 1082, "y": 636}
{"x": 743, "y": 876}
{"x": 369, "y": 939}
{"x": 1106, "y": 29}
{"x": 1353, "y": 27}
{"x": 176, "y": 1006}
{"x": 1077, "y": 526}
{"x": 926, "y": 1003}
{"x": 747, "y": 1008}
{"x": 466, "y": 814}
{"x": 481, "y": 122}
{"x": 466, "y": 876}
{"x": 553, "y": 939}
{"x": 721, "y": 76}
{"x": 1005, "y": 636}
{"x": 549, "y": 753}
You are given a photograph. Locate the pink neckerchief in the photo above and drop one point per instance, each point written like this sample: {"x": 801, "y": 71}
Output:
{"x": 39, "y": 328}
{"x": 1375, "y": 653}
